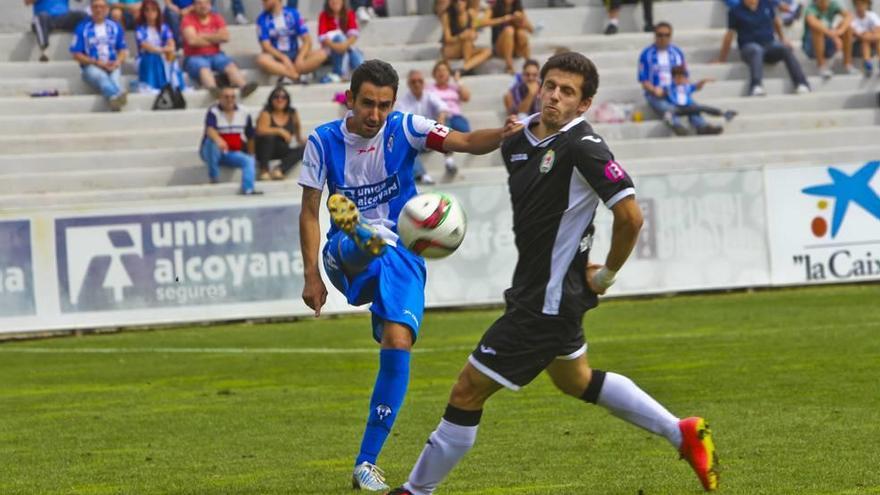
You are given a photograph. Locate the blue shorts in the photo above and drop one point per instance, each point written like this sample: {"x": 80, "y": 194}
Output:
{"x": 394, "y": 283}
{"x": 830, "y": 48}
{"x": 195, "y": 63}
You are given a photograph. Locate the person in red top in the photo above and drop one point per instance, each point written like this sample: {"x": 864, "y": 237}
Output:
{"x": 337, "y": 32}
{"x": 203, "y": 31}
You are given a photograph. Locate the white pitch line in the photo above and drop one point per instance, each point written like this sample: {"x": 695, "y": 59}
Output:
{"x": 208, "y": 350}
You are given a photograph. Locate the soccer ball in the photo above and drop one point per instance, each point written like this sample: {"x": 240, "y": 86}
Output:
{"x": 432, "y": 225}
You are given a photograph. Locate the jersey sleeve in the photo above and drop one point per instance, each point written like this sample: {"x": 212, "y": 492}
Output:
{"x": 120, "y": 39}
{"x": 314, "y": 172}
{"x": 643, "y": 67}
{"x": 301, "y": 28}
{"x": 262, "y": 29}
{"x": 423, "y": 133}
{"x": 78, "y": 43}
{"x": 596, "y": 165}
{"x": 352, "y": 24}
{"x": 210, "y": 119}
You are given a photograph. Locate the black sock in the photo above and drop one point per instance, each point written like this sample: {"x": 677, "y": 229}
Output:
{"x": 591, "y": 394}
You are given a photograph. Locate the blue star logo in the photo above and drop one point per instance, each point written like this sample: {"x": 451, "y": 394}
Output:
{"x": 844, "y": 189}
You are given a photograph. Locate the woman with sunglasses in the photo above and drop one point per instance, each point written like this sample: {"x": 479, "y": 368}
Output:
{"x": 277, "y": 126}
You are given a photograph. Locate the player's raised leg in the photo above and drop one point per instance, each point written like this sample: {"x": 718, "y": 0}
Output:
{"x": 388, "y": 394}
{"x": 618, "y": 394}
{"x": 345, "y": 215}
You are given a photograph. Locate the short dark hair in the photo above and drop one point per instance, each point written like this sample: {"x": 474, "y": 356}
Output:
{"x": 374, "y": 71}
{"x": 531, "y": 61}
{"x": 577, "y": 64}
{"x": 679, "y": 70}
{"x": 662, "y": 24}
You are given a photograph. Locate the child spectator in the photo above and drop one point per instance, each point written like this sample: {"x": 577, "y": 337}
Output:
{"x": 680, "y": 96}
{"x": 459, "y": 36}
{"x": 285, "y": 42}
{"x": 453, "y": 94}
{"x": 156, "y": 50}
{"x": 866, "y": 30}
{"x": 277, "y": 127}
{"x": 510, "y": 31}
{"x": 228, "y": 140}
{"x": 203, "y": 32}
{"x": 99, "y": 47}
{"x": 823, "y": 38}
{"x": 50, "y": 15}
{"x": 337, "y": 32}
{"x": 522, "y": 98}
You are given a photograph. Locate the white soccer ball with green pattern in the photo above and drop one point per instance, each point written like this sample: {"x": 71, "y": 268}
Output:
{"x": 432, "y": 225}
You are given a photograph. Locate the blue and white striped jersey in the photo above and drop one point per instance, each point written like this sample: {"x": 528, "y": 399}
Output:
{"x": 376, "y": 173}
{"x": 99, "y": 41}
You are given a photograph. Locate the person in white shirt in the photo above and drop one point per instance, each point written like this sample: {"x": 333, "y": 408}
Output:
{"x": 417, "y": 101}
{"x": 866, "y": 29}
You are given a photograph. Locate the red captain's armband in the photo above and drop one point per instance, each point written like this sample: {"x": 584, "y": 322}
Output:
{"x": 436, "y": 136}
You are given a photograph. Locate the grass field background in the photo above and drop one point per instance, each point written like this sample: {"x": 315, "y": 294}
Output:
{"x": 789, "y": 380}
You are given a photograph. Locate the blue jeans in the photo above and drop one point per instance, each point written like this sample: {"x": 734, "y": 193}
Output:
{"x": 214, "y": 159}
{"x": 216, "y": 63}
{"x": 109, "y": 84}
{"x": 662, "y": 107}
{"x": 756, "y": 55}
{"x": 458, "y": 123}
{"x": 354, "y": 56}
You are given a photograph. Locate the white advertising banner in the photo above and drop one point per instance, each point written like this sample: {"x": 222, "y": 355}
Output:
{"x": 824, "y": 223}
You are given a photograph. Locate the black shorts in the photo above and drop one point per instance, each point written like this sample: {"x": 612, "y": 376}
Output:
{"x": 520, "y": 344}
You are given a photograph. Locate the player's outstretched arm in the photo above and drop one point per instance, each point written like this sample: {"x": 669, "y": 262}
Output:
{"x": 482, "y": 141}
{"x": 625, "y": 232}
{"x": 314, "y": 290}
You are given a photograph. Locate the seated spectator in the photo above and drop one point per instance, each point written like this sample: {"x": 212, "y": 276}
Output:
{"x": 754, "y": 22}
{"x": 203, "y": 32}
{"x": 337, "y": 32}
{"x": 156, "y": 50}
{"x": 50, "y": 15}
{"x": 655, "y": 68}
{"x": 522, "y": 98}
{"x": 613, "y": 25}
{"x": 366, "y": 10}
{"x": 277, "y": 127}
{"x": 125, "y": 12}
{"x": 99, "y": 47}
{"x": 866, "y": 30}
{"x": 228, "y": 140}
{"x": 175, "y": 11}
{"x": 823, "y": 38}
{"x": 425, "y": 103}
{"x": 680, "y": 96}
{"x": 459, "y": 36}
{"x": 286, "y": 44}
{"x": 510, "y": 31}
{"x": 238, "y": 13}
{"x": 790, "y": 11}
{"x": 453, "y": 94}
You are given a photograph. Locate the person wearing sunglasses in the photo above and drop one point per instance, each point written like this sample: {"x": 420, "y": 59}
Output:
{"x": 279, "y": 136}
{"x": 655, "y": 70}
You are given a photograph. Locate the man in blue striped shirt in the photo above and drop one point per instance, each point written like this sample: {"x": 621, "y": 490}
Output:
{"x": 99, "y": 47}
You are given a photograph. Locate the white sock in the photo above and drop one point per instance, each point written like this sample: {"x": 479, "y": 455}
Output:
{"x": 630, "y": 403}
{"x": 445, "y": 447}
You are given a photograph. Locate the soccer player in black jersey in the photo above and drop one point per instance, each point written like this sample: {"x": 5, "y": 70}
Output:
{"x": 559, "y": 170}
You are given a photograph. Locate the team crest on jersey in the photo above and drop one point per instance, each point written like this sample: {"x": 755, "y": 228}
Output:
{"x": 390, "y": 143}
{"x": 547, "y": 162}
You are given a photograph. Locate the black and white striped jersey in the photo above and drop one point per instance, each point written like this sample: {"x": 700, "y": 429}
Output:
{"x": 555, "y": 186}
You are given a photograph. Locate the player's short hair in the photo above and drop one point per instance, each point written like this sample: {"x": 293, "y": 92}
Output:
{"x": 680, "y": 70}
{"x": 662, "y": 24}
{"x": 577, "y": 64}
{"x": 377, "y": 72}
{"x": 529, "y": 62}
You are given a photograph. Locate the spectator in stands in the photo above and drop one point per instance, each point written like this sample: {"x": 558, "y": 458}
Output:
{"x": 238, "y": 12}
{"x": 277, "y": 127}
{"x": 655, "y": 68}
{"x": 228, "y": 140}
{"x": 510, "y": 31}
{"x": 125, "y": 12}
{"x": 337, "y": 32}
{"x": 453, "y": 93}
{"x": 175, "y": 10}
{"x": 459, "y": 35}
{"x": 99, "y": 47}
{"x": 425, "y": 103}
{"x": 286, "y": 44}
{"x": 156, "y": 50}
{"x": 203, "y": 32}
{"x": 754, "y": 22}
{"x": 680, "y": 96}
{"x": 823, "y": 38}
{"x": 790, "y": 11}
{"x": 50, "y": 15}
{"x": 613, "y": 25}
{"x": 522, "y": 98}
{"x": 866, "y": 31}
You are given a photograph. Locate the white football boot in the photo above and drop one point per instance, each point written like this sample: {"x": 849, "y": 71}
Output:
{"x": 368, "y": 477}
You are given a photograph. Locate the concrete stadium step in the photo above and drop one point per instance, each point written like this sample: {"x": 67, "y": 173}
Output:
{"x": 401, "y": 31}
{"x": 616, "y": 133}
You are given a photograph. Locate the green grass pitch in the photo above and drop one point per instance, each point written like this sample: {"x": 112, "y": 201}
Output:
{"x": 789, "y": 380}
